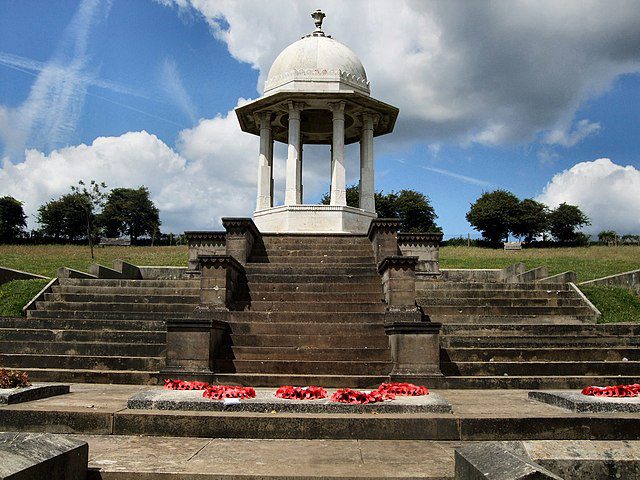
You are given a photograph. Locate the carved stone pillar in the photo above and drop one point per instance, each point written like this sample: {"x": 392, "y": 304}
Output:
{"x": 265, "y": 163}
{"x": 367, "y": 186}
{"x": 383, "y": 234}
{"x": 338, "y": 170}
{"x": 293, "y": 173}
{"x": 241, "y": 233}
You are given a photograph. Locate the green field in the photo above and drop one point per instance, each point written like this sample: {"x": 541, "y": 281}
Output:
{"x": 588, "y": 262}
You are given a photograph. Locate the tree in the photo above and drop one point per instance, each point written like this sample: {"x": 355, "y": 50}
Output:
{"x": 608, "y": 237}
{"x": 130, "y": 212}
{"x": 12, "y": 219}
{"x": 564, "y": 222}
{"x": 413, "y": 208}
{"x": 494, "y": 214}
{"x": 531, "y": 220}
{"x": 63, "y": 218}
{"x": 93, "y": 199}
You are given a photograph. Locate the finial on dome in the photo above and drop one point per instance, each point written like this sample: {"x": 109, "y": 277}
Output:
{"x": 318, "y": 17}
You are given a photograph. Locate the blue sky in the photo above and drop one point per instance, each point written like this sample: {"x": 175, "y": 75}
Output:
{"x": 142, "y": 93}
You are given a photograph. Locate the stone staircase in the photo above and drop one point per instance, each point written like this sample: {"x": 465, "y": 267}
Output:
{"x": 315, "y": 315}
{"x": 97, "y": 330}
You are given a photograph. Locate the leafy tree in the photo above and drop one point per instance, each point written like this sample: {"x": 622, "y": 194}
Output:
{"x": 63, "y": 218}
{"x": 130, "y": 212}
{"x": 12, "y": 219}
{"x": 414, "y": 208}
{"x": 564, "y": 222}
{"x": 531, "y": 220}
{"x": 607, "y": 237}
{"x": 93, "y": 199}
{"x": 494, "y": 214}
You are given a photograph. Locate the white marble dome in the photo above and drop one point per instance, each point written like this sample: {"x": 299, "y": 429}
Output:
{"x": 316, "y": 63}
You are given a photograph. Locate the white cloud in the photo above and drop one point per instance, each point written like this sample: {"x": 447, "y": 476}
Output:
{"x": 609, "y": 194}
{"x": 566, "y": 138}
{"x": 171, "y": 81}
{"x": 487, "y": 72}
{"x": 458, "y": 176}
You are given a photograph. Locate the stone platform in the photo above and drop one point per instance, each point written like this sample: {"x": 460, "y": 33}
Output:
{"x": 266, "y": 402}
{"x": 577, "y": 402}
{"x": 33, "y": 392}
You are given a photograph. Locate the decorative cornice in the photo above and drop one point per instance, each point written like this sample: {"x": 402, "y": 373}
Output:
{"x": 318, "y": 75}
{"x": 204, "y": 238}
{"x": 240, "y": 225}
{"x": 397, "y": 262}
{"x": 219, "y": 261}
{"x": 412, "y": 328}
{"x": 383, "y": 225}
{"x": 419, "y": 238}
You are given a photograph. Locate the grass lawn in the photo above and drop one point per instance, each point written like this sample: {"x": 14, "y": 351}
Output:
{"x": 15, "y": 295}
{"x": 588, "y": 262}
{"x": 616, "y": 304}
{"x": 46, "y": 259}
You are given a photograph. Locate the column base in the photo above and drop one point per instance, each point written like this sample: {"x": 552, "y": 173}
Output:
{"x": 313, "y": 219}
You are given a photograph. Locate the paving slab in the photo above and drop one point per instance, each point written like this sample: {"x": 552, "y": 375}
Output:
{"x": 36, "y": 391}
{"x": 266, "y": 402}
{"x": 28, "y": 456}
{"x": 577, "y": 402}
{"x": 169, "y": 458}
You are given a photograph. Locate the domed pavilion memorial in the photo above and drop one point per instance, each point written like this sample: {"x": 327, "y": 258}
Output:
{"x": 316, "y": 92}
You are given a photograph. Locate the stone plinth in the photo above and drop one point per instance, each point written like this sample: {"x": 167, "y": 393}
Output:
{"x": 577, "y": 402}
{"x": 415, "y": 347}
{"x": 36, "y": 391}
{"x": 313, "y": 219}
{"x": 383, "y": 234}
{"x": 221, "y": 280}
{"x": 266, "y": 402}
{"x": 399, "y": 281}
{"x": 205, "y": 243}
{"x": 36, "y": 456}
{"x": 425, "y": 246}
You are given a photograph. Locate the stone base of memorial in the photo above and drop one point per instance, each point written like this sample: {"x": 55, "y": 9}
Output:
{"x": 579, "y": 403}
{"x": 266, "y": 402}
{"x": 34, "y": 392}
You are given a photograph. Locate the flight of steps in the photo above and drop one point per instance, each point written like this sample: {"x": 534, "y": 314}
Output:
{"x": 315, "y": 315}
{"x": 502, "y": 303}
{"x": 97, "y": 330}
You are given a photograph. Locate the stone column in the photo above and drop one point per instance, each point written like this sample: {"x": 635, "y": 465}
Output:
{"x": 292, "y": 194}
{"x": 367, "y": 187}
{"x": 265, "y": 163}
{"x": 338, "y": 171}
{"x": 300, "y": 197}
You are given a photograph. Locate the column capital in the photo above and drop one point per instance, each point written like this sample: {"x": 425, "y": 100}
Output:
{"x": 295, "y": 107}
{"x": 337, "y": 108}
{"x": 263, "y": 119}
{"x": 369, "y": 119}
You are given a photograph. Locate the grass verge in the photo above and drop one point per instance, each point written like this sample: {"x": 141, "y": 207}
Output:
{"x": 617, "y": 304}
{"x": 16, "y": 294}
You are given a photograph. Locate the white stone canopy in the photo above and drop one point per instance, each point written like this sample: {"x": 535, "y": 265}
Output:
{"x": 316, "y": 92}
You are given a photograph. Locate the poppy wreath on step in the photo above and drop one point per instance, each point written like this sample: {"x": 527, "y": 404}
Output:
{"x": 182, "y": 385}
{"x": 356, "y": 397}
{"x": 403, "y": 389}
{"x": 631, "y": 390}
{"x": 301, "y": 393}
{"x": 219, "y": 392}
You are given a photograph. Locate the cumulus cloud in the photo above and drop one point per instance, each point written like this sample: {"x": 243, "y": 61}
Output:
{"x": 486, "y": 72}
{"x": 565, "y": 138}
{"x": 608, "y": 193}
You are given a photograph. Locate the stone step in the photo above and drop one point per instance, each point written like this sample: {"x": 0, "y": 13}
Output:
{"x": 321, "y": 307}
{"x": 104, "y": 290}
{"x": 301, "y": 367}
{"x": 499, "y": 302}
{"x": 80, "y": 375}
{"x": 83, "y": 348}
{"x": 106, "y": 315}
{"x": 310, "y": 353}
{"x": 324, "y": 259}
{"x": 305, "y": 240}
{"x": 121, "y": 298}
{"x": 510, "y": 319}
{"x": 369, "y": 279}
{"x": 335, "y": 251}
{"x": 258, "y": 287}
{"x": 315, "y": 341}
{"x": 10, "y": 360}
{"x": 542, "y": 353}
{"x": 427, "y": 285}
{"x": 82, "y": 324}
{"x": 132, "y": 308}
{"x": 308, "y": 328}
{"x": 304, "y": 317}
{"x": 277, "y": 380}
{"x": 540, "y": 329}
{"x": 498, "y": 293}
{"x": 307, "y": 269}
{"x": 186, "y": 283}
{"x": 536, "y": 341}
{"x": 298, "y": 296}
{"x": 505, "y": 310}
{"x": 122, "y": 336}
{"x": 540, "y": 368}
